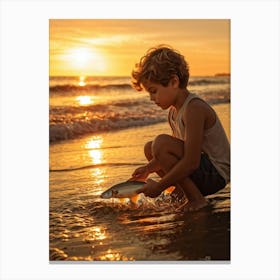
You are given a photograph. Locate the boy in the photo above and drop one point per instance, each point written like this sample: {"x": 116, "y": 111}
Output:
{"x": 196, "y": 158}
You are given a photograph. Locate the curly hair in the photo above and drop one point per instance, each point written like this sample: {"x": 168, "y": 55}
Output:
{"x": 159, "y": 65}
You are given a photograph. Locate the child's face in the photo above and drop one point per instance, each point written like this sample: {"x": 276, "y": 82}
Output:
{"x": 163, "y": 96}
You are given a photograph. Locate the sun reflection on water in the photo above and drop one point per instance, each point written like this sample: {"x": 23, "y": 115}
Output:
{"x": 82, "y": 82}
{"x": 96, "y": 156}
{"x": 85, "y": 100}
{"x": 114, "y": 256}
{"x": 96, "y": 233}
{"x": 94, "y": 143}
{"x": 94, "y": 147}
{"x": 98, "y": 174}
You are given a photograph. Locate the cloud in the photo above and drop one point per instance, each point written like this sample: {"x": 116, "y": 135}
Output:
{"x": 107, "y": 40}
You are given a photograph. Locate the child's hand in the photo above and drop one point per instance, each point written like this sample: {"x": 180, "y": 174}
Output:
{"x": 141, "y": 173}
{"x": 151, "y": 189}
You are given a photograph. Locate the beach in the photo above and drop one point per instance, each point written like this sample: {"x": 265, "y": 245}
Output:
{"x": 84, "y": 227}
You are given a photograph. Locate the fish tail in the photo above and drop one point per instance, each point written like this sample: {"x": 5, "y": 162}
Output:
{"x": 134, "y": 198}
{"x": 169, "y": 190}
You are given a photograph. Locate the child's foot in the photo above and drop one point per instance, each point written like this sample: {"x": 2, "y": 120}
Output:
{"x": 192, "y": 206}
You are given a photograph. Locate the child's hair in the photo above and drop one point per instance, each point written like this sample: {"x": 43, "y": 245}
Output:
{"x": 159, "y": 65}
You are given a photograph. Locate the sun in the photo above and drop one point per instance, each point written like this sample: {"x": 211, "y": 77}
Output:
{"x": 86, "y": 60}
{"x": 81, "y": 56}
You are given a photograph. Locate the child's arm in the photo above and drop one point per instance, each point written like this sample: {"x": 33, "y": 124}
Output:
{"x": 144, "y": 171}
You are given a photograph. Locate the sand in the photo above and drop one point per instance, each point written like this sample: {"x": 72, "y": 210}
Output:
{"x": 84, "y": 227}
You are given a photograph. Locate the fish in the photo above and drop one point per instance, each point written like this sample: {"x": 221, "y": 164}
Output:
{"x": 126, "y": 189}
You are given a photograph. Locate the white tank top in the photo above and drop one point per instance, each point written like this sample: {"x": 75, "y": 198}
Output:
{"x": 215, "y": 143}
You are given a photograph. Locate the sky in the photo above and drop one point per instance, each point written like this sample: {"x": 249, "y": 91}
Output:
{"x": 103, "y": 47}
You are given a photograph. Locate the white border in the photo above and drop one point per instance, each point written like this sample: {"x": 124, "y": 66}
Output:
{"x": 254, "y": 131}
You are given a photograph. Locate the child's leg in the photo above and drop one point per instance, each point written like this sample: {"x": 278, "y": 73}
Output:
{"x": 168, "y": 151}
{"x": 149, "y": 156}
{"x": 178, "y": 193}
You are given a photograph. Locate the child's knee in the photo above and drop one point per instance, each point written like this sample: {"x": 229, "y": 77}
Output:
{"x": 160, "y": 144}
{"x": 148, "y": 150}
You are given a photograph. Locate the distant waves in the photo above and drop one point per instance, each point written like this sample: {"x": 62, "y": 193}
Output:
{"x": 91, "y": 87}
{"x": 66, "y": 88}
{"x": 64, "y": 131}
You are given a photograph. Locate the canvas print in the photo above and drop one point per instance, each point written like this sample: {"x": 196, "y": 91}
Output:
{"x": 139, "y": 140}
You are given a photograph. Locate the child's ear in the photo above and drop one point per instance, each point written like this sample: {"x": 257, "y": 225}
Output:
{"x": 174, "y": 81}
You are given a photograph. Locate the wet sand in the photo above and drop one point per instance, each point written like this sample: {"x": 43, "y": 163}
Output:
{"x": 84, "y": 227}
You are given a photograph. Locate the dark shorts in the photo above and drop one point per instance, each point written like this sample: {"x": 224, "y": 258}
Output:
{"x": 207, "y": 178}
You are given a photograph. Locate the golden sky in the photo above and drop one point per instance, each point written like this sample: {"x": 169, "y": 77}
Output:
{"x": 102, "y": 47}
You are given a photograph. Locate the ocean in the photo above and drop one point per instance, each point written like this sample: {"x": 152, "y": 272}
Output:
{"x": 82, "y": 105}
{"x": 98, "y": 127}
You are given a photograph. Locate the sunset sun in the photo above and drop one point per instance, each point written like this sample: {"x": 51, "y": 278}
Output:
{"x": 81, "y": 56}
{"x": 86, "y": 59}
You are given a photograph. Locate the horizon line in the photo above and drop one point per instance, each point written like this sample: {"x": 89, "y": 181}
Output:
{"x": 126, "y": 76}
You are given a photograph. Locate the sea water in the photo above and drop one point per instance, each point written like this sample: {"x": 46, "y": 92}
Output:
{"x": 81, "y": 105}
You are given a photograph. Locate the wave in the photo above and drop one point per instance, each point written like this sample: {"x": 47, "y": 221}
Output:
{"x": 69, "y": 122}
{"x": 65, "y": 131}
{"x": 90, "y": 87}
{"x": 96, "y": 166}
{"x": 215, "y": 97}
{"x": 58, "y": 110}
{"x": 209, "y": 81}
{"x": 61, "y": 88}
